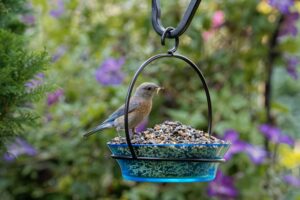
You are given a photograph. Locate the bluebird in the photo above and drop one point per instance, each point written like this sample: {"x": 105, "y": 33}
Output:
{"x": 139, "y": 108}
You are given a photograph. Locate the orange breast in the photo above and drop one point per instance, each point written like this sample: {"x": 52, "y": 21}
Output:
{"x": 135, "y": 117}
{"x": 145, "y": 108}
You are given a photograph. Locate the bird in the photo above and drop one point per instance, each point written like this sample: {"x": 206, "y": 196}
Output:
{"x": 140, "y": 106}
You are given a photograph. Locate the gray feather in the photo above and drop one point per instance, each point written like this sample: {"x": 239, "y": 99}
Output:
{"x": 99, "y": 128}
{"x": 109, "y": 122}
{"x": 121, "y": 110}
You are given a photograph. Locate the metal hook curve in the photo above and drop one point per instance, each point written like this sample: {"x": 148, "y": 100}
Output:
{"x": 163, "y": 38}
{"x": 184, "y": 23}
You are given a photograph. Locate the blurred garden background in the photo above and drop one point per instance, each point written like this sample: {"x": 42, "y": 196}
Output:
{"x": 65, "y": 65}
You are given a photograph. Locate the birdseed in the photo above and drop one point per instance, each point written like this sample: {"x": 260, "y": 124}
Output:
{"x": 170, "y": 132}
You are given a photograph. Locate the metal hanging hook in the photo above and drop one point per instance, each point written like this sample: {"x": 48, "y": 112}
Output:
{"x": 184, "y": 23}
{"x": 163, "y": 38}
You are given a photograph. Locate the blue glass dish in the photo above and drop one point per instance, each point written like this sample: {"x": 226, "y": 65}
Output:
{"x": 169, "y": 171}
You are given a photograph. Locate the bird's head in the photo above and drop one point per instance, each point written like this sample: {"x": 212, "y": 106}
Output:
{"x": 147, "y": 90}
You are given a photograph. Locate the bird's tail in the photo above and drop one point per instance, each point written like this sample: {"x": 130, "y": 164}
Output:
{"x": 99, "y": 128}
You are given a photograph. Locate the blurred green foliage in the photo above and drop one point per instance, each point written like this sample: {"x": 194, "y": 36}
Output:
{"x": 17, "y": 67}
{"x": 82, "y": 34}
{"x": 9, "y": 12}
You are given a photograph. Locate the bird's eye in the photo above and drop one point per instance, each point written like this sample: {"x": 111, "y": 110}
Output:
{"x": 148, "y": 88}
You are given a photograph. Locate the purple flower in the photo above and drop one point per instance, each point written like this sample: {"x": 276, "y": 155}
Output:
{"x": 237, "y": 145}
{"x": 28, "y": 19}
{"x": 37, "y": 81}
{"x": 142, "y": 126}
{"x": 275, "y": 135}
{"x": 40, "y": 76}
{"x": 17, "y": 148}
{"x": 282, "y": 5}
{"x": 109, "y": 73}
{"x": 231, "y": 135}
{"x": 292, "y": 180}
{"x": 289, "y": 26}
{"x": 222, "y": 187}
{"x": 256, "y": 154}
{"x": 291, "y": 67}
{"x": 54, "y": 97}
{"x": 60, "y": 51}
{"x": 60, "y": 9}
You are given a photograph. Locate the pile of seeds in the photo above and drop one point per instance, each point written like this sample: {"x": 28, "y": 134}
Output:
{"x": 170, "y": 132}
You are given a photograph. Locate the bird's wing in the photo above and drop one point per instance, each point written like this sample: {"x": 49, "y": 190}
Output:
{"x": 120, "y": 111}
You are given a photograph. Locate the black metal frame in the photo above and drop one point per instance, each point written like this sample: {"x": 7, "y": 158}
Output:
{"x": 184, "y": 23}
{"x": 168, "y": 32}
{"x": 138, "y": 72}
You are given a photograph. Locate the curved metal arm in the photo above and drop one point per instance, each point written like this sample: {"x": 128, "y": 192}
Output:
{"x": 184, "y": 23}
{"x": 139, "y": 71}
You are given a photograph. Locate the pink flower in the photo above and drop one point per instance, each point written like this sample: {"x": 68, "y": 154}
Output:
{"x": 207, "y": 35}
{"x": 218, "y": 19}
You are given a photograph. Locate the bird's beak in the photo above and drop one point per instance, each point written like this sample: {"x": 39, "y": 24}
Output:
{"x": 158, "y": 89}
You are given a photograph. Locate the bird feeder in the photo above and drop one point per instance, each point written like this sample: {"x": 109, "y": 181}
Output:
{"x": 169, "y": 162}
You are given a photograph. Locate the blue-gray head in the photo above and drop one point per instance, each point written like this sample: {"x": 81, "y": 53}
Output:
{"x": 147, "y": 90}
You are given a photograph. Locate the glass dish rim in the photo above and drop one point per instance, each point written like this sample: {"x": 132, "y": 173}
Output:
{"x": 171, "y": 145}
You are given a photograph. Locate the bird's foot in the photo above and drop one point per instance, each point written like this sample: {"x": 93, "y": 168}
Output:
{"x": 133, "y": 131}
